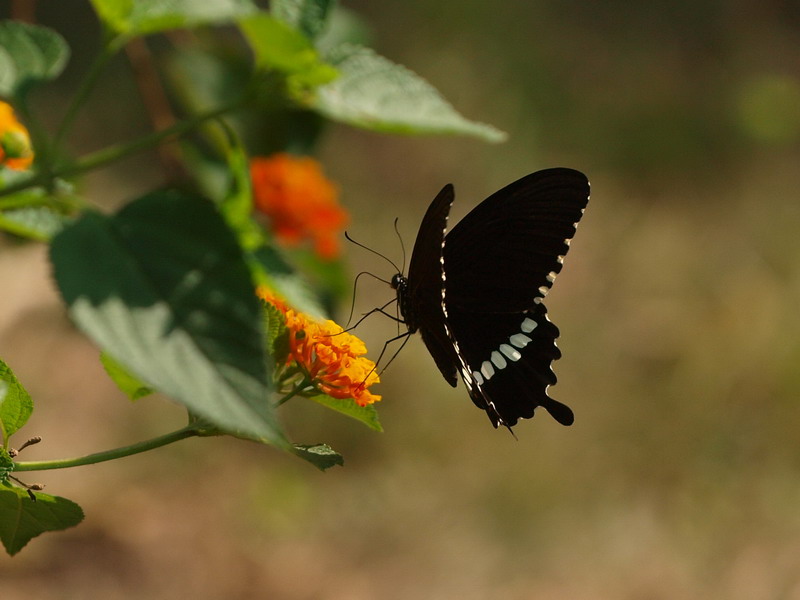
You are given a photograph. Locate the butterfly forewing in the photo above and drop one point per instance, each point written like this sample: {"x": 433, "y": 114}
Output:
{"x": 511, "y": 245}
{"x": 423, "y": 308}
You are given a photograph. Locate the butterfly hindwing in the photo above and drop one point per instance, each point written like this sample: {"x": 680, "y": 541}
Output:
{"x": 507, "y": 362}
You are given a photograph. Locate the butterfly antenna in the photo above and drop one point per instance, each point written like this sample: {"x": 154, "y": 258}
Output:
{"x": 353, "y": 303}
{"x": 402, "y": 245}
{"x": 375, "y": 252}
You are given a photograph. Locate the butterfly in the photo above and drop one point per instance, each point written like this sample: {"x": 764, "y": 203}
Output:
{"x": 476, "y": 294}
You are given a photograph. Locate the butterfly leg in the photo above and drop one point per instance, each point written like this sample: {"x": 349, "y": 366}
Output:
{"x": 405, "y": 335}
{"x": 372, "y": 312}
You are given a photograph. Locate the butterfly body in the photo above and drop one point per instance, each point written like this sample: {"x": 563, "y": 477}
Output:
{"x": 475, "y": 294}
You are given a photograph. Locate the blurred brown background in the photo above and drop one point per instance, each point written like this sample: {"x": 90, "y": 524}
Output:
{"x": 677, "y": 307}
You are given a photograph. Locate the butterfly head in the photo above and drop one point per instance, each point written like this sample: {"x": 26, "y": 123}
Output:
{"x": 399, "y": 282}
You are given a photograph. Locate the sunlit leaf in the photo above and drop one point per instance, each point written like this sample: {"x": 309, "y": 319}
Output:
{"x": 343, "y": 26}
{"x": 368, "y": 415}
{"x": 142, "y": 17}
{"x": 29, "y": 54}
{"x": 307, "y": 16}
{"x": 32, "y": 212}
{"x": 16, "y": 405}
{"x": 128, "y": 383}
{"x": 164, "y": 288}
{"x": 39, "y": 223}
{"x": 280, "y": 47}
{"x": 374, "y": 93}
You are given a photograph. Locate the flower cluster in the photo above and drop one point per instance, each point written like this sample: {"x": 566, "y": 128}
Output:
{"x": 15, "y": 143}
{"x": 301, "y": 203}
{"x": 332, "y": 359}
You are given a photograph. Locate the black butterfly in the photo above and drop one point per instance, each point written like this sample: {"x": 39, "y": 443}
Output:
{"x": 476, "y": 294}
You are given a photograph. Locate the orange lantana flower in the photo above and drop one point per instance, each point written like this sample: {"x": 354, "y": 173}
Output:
{"x": 15, "y": 143}
{"x": 299, "y": 200}
{"x": 332, "y": 360}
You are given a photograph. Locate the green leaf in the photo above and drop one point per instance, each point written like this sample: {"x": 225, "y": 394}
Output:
{"x": 8, "y": 71}
{"x": 368, "y": 415}
{"x": 237, "y": 205}
{"x": 16, "y": 405}
{"x": 276, "y": 333}
{"x": 22, "y": 518}
{"x": 321, "y": 456}
{"x": 30, "y": 54}
{"x": 329, "y": 278}
{"x": 278, "y": 46}
{"x": 38, "y": 223}
{"x": 128, "y": 383}
{"x": 374, "y": 93}
{"x": 35, "y": 213}
{"x": 143, "y": 17}
{"x": 267, "y": 124}
{"x": 343, "y": 27}
{"x": 306, "y": 16}
{"x": 6, "y": 465}
{"x": 164, "y": 288}
{"x": 275, "y": 272}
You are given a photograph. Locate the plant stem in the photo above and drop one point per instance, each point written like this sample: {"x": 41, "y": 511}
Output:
{"x": 287, "y": 397}
{"x": 40, "y": 141}
{"x": 90, "y": 459}
{"x": 86, "y": 86}
{"x": 299, "y": 388}
{"x": 117, "y": 152}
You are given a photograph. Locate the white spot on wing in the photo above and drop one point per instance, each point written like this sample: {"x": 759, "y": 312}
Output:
{"x": 487, "y": 369}
{"x": 528, "y": 325}
{"x": 510, "y": 352}
{"x": 520, "y": 340}
{"x": 498, "y": 360}
{"x": 478, "y": 377}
